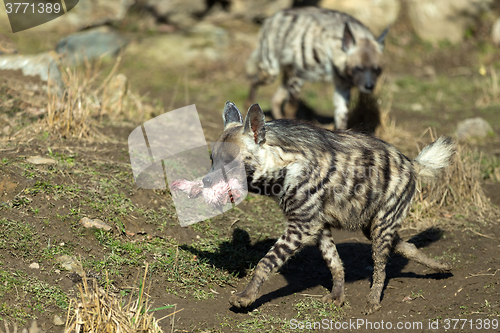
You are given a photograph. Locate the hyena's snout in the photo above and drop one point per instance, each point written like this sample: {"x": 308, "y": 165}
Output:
{"x": 208, "y": 181}
{"x": 366, "y": 80}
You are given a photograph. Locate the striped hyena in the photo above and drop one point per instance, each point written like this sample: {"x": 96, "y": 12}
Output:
{"x": 315, "y": 44}
{"x": 324, "y": 180}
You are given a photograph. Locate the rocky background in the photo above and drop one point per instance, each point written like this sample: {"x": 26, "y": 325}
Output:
{"x": 209, "y": 26}
{"x": 431, "y": 20}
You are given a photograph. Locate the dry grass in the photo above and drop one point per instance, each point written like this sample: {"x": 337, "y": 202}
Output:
{"x": 32, "y": 329}
{"x": 491, "y": 88}
{"x": 88, "y": 98}
{"x": 100, "y": 311}
{"x": 457, "y": 192}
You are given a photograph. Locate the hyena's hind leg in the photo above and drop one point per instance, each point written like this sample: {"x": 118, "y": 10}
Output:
{"x": 286, "y": 99}
{"x": 329, "y": 252}
{"x": 296, "y": 235}
{"x": 382, "y": 236}
{"x": 259, "y": 75}
{"x": 410, "y": 251}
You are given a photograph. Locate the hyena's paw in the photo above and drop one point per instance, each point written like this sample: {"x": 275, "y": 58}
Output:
{"x": 442, "y": 267}
{"x": 242, "y": 299}
{"x": 371, "y": 307}
{"x": 337, "y": 300}
{"x": 337, "y": 296}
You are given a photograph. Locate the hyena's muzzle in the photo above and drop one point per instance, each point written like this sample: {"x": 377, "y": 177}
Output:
{"x": 365, "y": 79}
{"x": 225, "y": 182}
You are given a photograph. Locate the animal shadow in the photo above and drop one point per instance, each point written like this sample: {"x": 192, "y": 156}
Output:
{"x": 364, "y": 117}
{"x": 307, "y": 269}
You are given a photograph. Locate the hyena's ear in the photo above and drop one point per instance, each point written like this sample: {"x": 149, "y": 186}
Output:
{"x": 348, "y": 40}
{"x": 231, "y": 115}
{"x": 381, "y": 39}
{"x": 255, "y": 124}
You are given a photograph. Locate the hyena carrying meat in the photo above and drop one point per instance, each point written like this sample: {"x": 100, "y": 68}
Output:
{"x": 326, "y": 180}
{"x": 315, "y": 44}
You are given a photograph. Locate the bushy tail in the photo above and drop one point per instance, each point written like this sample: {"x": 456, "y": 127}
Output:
{"x": 434, "y": 157}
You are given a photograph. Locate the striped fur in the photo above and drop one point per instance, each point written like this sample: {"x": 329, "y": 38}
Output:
{"x": 315, "y": 44}
{"x": 326, "y": 180}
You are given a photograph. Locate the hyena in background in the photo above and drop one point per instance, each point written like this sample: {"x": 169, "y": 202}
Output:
{"x": 326, "y": 180}
{"x": 315, "y": 44}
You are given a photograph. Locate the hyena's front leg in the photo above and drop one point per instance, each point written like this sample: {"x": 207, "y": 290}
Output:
{"x": 296, "y": 235}
{"x": 329, "y": 251}
{"x": 341, "y": 99}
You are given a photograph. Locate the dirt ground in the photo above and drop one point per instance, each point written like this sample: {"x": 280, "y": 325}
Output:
{"x": 199, "y": 267}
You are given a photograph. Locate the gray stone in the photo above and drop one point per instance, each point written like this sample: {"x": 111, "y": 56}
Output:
{"x": 94, "y": 223}
{"x": 43, "y": 65}
{"x": 35, "y": 265}
{"x": 58, "y": 321}
{"x": 203, "y": 42}
{"x": 182, "y": 13}
{"x": 376, "y": 15}
{"x": 40, "y": 160}
{"x": 90, "y": 45}
{"x": 257, "y": 10}
{"x": 445, "y": 19}
{"x": 88, "y": 13}
{"x": 495, "y": 32}
{"x": 473, "y": 129}
{"x": 70, "y": 263}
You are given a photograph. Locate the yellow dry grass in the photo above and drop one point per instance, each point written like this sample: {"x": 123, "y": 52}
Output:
{"x": 457, "y": 192}
{"x": 97, "y": 310}
{"x": 88, "y": 97}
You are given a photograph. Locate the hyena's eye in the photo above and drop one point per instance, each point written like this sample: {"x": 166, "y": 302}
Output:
{"x": 377, "y": 70}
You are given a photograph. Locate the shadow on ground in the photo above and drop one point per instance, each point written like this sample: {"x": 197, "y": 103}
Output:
{"x": 307, "y": 268}
{"x": 365, "y": 117}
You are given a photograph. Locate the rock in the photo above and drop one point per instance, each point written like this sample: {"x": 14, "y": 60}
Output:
{"x": 181, "y": 13}
{"x": 429, "y": 71}
{"x": 376, "y": 15}
{"x": 90, "y": 45}
{"x": 495, "y": 32}
{"x": 88, "y": 13}
{"x": 185, "y": 13}
{"x": 445, "y": 19}
{"x": 7, "y": 46}
{"x": 58, "y": 321}
{"x": 257, "y": 11}
{"x": 96, "y": 223}
{"x": 43, "y": 65}
{"x": 473, "y": 128}
{"x": 203, "y": 41}
{"x": 35, "y": 266}
{"x": 70, "y": 263}
{"x": 416, "y": 107}
{"x": 40, "y": 160}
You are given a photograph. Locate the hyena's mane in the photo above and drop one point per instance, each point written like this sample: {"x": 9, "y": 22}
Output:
{"x": 303, "y": 136}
